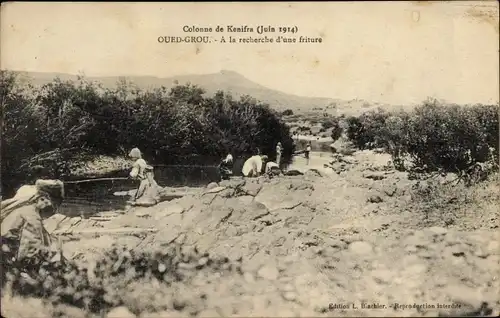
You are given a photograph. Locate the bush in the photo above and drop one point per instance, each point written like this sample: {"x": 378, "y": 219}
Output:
{"x": 120, "y": 277}
{"x": 329, "y": 123}
{"x": 63, "y": 121}
{"x": 287, "y": 112}
{"x": 449, "y": 137}
{"x": 434, "y": 137}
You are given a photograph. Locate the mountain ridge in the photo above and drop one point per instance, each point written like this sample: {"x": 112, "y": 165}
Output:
{"x": 225, "y": 80}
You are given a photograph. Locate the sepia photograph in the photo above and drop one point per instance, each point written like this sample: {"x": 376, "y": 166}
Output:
{"x": 250, "y": 159}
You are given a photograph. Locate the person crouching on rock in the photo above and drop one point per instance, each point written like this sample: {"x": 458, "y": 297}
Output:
{"x": 24, "y": 236}
{"x": 272, "y": 169}
{"x": 148, "y": 193}
{"x": 253, "y": 166}
{"x": 226, "y": 167}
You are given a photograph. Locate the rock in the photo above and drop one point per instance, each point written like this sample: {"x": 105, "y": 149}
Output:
{"x": 493, "y": 248}
{"x": 313, "y": 172}
{"x": 290, "y": 295}
{"x": 171, "y": 208}
{"x": 374, "y": 176}
{"x": 248, "y": 277}
{"x": 458, "y": 250}
{"x": 212, "y": 185}
{"x": 461, "y": 294}
{"x": 375, "y": 199}
{"x": 232, "y": 183}
{"x": 382, "y": 276}
{"x": 288, "y": 288}
{"x": 437, "y": 230}
{"x": 418, "y": 239}
{"x": 269, "y": 272}
{"x": 279, "y": 198}
{"x": 251, "y": 188}
{"x": 415, "y": 270}
{"x": 361, "y": 248}
{"x": 245, "y": 200}
{"x": 120, "y": 312}
{"x": 452, "y": 238}
{"x": 390, "y": 190}
{"x": 293, "y": 173}
{"x": 215, "y": 190}
{"x": 203, "y": 313}
{"x": 349, "y": 159}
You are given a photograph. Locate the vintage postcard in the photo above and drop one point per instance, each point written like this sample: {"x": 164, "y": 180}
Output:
{"x": 250, "y": 159}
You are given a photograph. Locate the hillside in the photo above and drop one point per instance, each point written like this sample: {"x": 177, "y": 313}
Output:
{"x": 225, "y": 80}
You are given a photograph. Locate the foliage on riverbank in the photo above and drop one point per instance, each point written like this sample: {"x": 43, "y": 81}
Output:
{"x": 433, "y": 137}
{"x": 64, "y": 122}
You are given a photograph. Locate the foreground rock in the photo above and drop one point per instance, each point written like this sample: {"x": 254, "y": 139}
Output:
{"x": 307, "y": 245}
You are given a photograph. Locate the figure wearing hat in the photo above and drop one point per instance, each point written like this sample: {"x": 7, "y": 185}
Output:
{"x": 22, "y": 230}
{"x": 226, "y": 167}
{"x": 148, "y": 192}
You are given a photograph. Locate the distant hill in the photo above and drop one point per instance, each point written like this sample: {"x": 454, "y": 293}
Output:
{"x": 227, "y": 81}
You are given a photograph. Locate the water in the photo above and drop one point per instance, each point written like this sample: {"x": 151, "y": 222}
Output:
{"x": 83, "y": 199}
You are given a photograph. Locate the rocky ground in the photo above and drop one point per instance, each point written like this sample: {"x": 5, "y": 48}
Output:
{"x": 352, "y": 239}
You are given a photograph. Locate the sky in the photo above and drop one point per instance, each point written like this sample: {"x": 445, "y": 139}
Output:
{"x": 389, "y": 52}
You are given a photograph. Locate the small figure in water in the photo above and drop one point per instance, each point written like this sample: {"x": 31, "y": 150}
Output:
{"x": 22, "y": 229}
{"x": 308, "y": 151}
{"x": 279, "y": 150}
{"x": 148, "y": 193}
{"x": 226, "y": 167}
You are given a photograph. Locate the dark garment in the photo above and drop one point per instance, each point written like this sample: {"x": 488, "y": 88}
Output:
{"x": 306, "y": 154}
{"x": 225, "y": 169}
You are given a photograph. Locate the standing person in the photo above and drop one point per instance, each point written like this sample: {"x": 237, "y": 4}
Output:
{"x": 22, "y": 230}
{"x": 226, "y": 167}
{"x": 148, "y": 192}
{"x": 308, "y": 151}
{"x": 253, "y": 166}
{"x": 279, "y": 150}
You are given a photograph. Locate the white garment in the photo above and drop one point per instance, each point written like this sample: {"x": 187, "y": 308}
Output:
{"x": 253, "y": 166}
{"x": 270, "y": 165}
{"x": 139, "y": 169}
{"x": 228, "y": 159}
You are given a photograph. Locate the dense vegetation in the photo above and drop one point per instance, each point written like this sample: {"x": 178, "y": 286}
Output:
{"x": 432, "y": 137}
{"x": 140, "y": 280}
{"x": 61, "y": 121}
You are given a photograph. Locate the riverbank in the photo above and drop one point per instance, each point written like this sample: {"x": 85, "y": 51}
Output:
{"x": 299, "y": 245}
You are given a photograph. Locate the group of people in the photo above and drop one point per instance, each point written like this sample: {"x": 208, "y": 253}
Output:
{"x": 23, "y": 234}
{"x": 253, "y": 166}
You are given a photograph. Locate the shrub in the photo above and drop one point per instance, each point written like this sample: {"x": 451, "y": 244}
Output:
{"x": 120, "y": 277}
{"x": 434, "y": 137}
{"x": 365, "y": 131}
{"x": 287, "y": 112}
{"x": 336, "y": 131}
{"x": 453, "y": 137}
{"x": 328, "y": 123}
{"x": 356, "y": 132}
